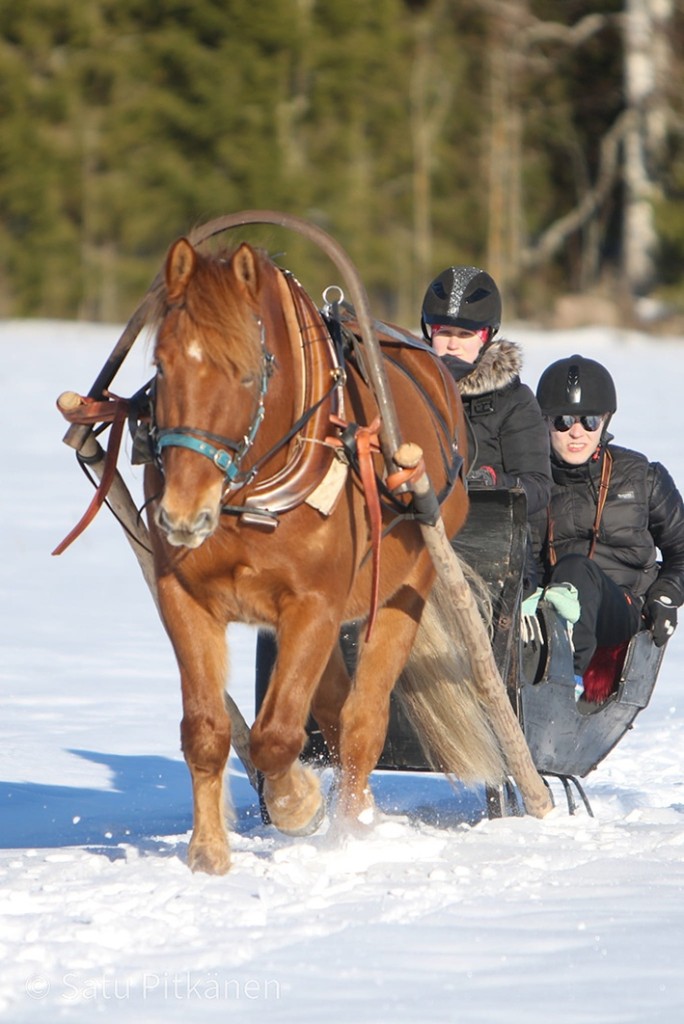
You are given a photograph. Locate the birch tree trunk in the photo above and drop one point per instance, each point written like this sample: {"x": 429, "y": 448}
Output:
{"x": 504, "y": 171}
{"x": 646, "y": 63}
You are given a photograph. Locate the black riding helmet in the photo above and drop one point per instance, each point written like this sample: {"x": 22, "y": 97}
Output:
{"x": 464, "y": 297}
{"x": 577, "y": 387}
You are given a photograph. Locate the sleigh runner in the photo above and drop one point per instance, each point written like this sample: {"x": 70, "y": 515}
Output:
{"x": 281, "y": 391}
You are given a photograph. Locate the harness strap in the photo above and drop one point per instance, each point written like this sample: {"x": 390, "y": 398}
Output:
{"x": 606, "y": 470}
{"x": 604, "y": 483}
{"x": 367, "y": 444}
{"x": 404, "y": 477}
{"x": 183, "y": 438}
{"x": 114, "y": 411}
{"x": 286, "y": 438}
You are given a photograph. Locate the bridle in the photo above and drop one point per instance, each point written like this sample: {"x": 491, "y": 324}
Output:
{"x": 215, "y": 446}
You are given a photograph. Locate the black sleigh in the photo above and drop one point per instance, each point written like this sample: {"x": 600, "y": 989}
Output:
{"x": 567, "y": 738}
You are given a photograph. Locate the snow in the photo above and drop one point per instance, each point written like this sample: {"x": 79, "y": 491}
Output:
{"x": 434, "y": 915}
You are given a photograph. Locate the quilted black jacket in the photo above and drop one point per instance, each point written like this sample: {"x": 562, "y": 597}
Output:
{"x": 643, "y": 515}
{"x": 507, "y": 430}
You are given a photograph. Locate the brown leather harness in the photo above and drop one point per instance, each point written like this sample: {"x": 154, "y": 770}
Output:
{"x": 319, "y": 380}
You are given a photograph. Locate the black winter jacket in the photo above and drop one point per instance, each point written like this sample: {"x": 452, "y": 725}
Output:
{"x": 643, "y": 512}
{"x": 507, "y": 431}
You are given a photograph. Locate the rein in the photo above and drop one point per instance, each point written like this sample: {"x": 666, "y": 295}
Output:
{"x": 87, "y": 411}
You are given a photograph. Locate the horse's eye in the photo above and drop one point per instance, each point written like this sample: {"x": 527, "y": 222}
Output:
{"x": 159, "y": 367}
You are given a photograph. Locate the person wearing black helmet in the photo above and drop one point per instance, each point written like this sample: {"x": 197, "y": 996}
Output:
{"x": 611, "y": 511}
{"x": 508, "y": 442}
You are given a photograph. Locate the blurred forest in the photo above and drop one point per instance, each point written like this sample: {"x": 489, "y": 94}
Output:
{"x": 541, "y": 139}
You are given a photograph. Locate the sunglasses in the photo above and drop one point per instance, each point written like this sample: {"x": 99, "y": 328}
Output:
{"x": 564, "y": 423}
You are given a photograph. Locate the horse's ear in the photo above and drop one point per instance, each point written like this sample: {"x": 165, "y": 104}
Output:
{"x": 180, "y": 266}
{"x": 246, "y": 268}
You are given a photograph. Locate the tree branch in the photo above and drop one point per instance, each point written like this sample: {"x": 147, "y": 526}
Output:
{"x": 568, "y": 35}
{"x": 530, "y": 31}
{"x": 553, "y": 238}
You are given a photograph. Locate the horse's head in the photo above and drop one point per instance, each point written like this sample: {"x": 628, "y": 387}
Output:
{"x": 212, "y": 369}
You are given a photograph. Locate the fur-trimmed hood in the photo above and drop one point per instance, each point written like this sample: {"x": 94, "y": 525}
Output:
{"x": 498, "y": 366}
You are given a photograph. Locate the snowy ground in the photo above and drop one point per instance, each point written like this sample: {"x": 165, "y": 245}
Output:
{"x": 431, "y": 918}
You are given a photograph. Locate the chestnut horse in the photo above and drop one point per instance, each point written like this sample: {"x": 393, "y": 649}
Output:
{"x": 257, "y": 516}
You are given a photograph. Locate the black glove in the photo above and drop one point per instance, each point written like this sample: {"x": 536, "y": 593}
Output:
{"x": 485, "y": 476}
{"x": 660, "y": 611}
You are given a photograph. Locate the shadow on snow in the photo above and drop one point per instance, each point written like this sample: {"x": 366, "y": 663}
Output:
{"x": 150, "y": 797}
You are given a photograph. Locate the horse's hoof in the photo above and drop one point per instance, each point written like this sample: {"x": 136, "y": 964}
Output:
{"x": 210, "y": 860}
{"x": 309, "y": 828}
{"x": 295, "y": 803}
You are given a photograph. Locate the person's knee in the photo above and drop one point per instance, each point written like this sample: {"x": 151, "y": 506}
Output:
{"x": 575, "y": 569}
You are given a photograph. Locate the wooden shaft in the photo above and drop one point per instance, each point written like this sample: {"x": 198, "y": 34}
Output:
{"x": 77, "y": 433}
{"x": 124, "y": 508}
{"x": 68, "y": 401}
{"x": 534, "y": 792}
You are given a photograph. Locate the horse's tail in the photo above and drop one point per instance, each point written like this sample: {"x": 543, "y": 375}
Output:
{"x": 439, "y": 697}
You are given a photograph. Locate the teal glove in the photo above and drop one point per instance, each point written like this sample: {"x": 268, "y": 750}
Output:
{"x": 529, "y": 605}
{"x": 565, "y": 599}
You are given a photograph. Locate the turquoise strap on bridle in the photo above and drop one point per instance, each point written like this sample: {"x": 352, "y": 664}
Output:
{"x": 183, "y": 437}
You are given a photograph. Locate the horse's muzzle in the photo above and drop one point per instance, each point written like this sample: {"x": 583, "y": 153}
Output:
{"x": 182, "y": 533}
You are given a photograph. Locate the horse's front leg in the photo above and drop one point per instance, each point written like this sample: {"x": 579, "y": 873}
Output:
{"x": 291, "y": 791}
{"x": 200, "y": 645}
